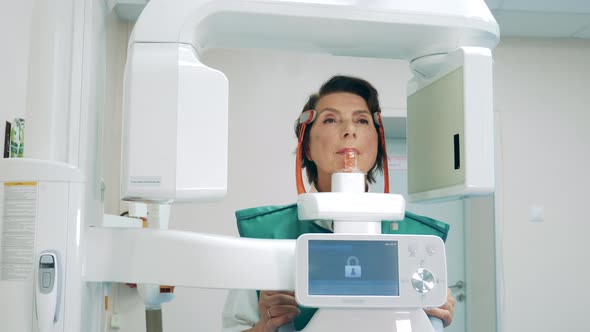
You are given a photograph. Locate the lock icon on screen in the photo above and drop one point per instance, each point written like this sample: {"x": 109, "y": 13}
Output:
{"x": 352, "y": 268}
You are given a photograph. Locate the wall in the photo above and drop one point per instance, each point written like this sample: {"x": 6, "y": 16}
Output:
{"x": 15, "y": 19}
{"x": 480, "y": 265}
{"x": 542, "y": 100}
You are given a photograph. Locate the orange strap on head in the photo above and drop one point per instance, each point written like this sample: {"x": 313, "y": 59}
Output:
{"x": 377, "y": 116}
{"x": 305, "y": 118}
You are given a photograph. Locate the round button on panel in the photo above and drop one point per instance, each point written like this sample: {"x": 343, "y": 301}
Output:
{"x": 423, "y": 281}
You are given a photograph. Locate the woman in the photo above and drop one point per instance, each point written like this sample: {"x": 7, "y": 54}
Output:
{"x": 343, "y": 119}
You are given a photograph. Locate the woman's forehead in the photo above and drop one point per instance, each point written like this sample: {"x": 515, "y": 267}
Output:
{"x": 342, "y": 101}
{"x": 339, "y": 112}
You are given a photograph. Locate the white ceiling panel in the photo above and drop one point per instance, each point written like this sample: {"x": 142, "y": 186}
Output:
{"x": 540, "y": 24}
{"x": 552, "y": 6}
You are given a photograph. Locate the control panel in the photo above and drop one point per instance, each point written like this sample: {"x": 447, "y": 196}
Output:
{"x": 361, "y": 270}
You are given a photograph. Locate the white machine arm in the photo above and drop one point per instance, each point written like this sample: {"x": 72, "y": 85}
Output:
{"x": 166, "y": 257}
{"x": 385, "y": 29}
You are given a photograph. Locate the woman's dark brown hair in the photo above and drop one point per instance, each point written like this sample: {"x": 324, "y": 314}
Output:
{"x": 352, "y": 85}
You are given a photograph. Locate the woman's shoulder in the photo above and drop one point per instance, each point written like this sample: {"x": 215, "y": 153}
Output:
{"x": 274, "y": 222}
{"x": 264, "y": 211}
{"x": 416, "y": 224}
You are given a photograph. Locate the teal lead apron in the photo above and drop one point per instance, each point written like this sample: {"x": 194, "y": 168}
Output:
{"x": 281, "y": 222}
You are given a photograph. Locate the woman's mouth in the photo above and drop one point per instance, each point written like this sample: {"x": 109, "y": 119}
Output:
{"x": 345, "y": 150}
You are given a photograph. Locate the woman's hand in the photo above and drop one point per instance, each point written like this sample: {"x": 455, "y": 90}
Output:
{"x": 446, "y": 311}
{"x": 276, "y": 308}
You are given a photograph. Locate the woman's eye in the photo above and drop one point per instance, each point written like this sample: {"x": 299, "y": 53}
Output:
{"x": 329, "y": 120}
{"x": 364, "y": 121}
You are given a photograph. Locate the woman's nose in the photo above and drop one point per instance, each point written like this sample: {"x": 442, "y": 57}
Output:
{"x": 349, "y": 130}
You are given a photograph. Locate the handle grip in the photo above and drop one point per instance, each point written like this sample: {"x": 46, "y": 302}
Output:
{"x": 47, "y": 289}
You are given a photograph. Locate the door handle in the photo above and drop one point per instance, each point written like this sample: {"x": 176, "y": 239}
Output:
{"x": 458, "y": 285}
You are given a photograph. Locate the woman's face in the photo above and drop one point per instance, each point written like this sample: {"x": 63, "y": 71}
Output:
{"x": 343, "y": 122}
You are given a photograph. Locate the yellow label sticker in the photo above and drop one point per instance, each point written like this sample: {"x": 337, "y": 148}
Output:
{"x": 12, "y": 184}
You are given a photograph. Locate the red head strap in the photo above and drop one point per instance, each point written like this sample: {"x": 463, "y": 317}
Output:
{"x": 305, "y": 118}
{"x": 377, "y": 116}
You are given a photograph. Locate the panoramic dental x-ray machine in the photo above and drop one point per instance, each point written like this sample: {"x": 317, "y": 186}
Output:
{"x": 51, "y": 282}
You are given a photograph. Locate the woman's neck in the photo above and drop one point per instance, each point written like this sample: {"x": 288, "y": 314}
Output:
{"x": 323, "y": 183}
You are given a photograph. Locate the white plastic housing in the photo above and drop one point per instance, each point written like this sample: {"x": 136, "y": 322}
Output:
{"x": 392, "y": 320}
{"x": 175, "y": 132}
{"x": 348, "y": 182}
{"x": 450, "y": 126}
{"x": 381, "y": 29}
{"x": 40, "y": 211}
{"x": 200, "y": 260}
{"x": 351, "y": 206}
{"x": 175, "y": 126}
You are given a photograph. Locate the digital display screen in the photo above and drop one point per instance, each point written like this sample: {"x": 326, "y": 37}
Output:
{"x": 353, "y": 268}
